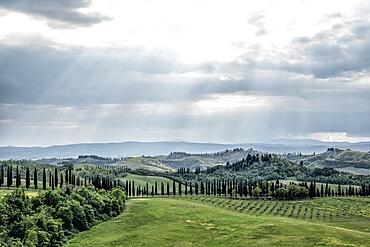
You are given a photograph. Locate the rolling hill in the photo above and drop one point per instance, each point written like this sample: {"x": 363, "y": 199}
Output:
{"x": 127, "y": 149}
{"x": 343, "y": 160}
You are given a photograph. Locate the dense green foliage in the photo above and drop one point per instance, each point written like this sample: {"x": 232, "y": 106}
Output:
{"x": 53, "y": 216}
{"x": 270, "y": 167}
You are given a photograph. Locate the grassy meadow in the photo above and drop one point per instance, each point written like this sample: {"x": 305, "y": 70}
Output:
{"x": 222, "y": 222}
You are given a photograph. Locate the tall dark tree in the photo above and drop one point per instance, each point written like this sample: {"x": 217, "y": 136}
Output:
{"x": 56, "y": 177}
{"x": 129, "y": 188}
{"x": 168, "y": 188}
{"x": 156, "y": 188}
{"x": 70, "y": 179}
{"x": 28, "y": 178}
{"x": 174, "y": 188}
{"x": 61, "y": 180}
{"x": 2, "y": 175}
{"x": 35, "y": 178}
{"x": 162, "y": 189}
{"x": 43, "y": 179}
{"x": 50, "y": 180}
{"x": 147, "y": 189}
{"x": 17, "y": 178}
{"x": 9, "y": 181}
{"x": 180, "y": 191}
{"x": 126, "y": 186}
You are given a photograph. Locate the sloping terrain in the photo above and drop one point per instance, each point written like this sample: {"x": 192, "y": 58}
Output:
{"x": 146, "y": 163}
{"x": 180, "y": 159}
{"x": 344, "y": 160}
{"x": 173, "y": 222}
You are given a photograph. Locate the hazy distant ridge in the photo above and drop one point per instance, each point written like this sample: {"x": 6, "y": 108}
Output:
{"x": 125, "y": 149}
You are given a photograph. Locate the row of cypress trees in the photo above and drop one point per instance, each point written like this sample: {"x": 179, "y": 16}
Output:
{"x": 239, "y": 188}
{"x": 53, "y": 178}
{"x": 58, "y": 178}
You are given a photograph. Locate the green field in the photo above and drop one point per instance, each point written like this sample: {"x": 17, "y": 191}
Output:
{"x": 347, "y": 212}
{"x": 147, "y": 163}
{"x": 198, "y": 222}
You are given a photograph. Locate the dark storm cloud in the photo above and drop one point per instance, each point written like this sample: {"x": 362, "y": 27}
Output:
{"x": 331, "y": 53}
{"x": 40, "y": 72}
{"x": 58, "y": 13}
{"x": 45, "y": 74}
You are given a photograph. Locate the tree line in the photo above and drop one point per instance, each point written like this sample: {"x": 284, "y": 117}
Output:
{"x": 53, "y": 178}
{"x": 243, "y": 189}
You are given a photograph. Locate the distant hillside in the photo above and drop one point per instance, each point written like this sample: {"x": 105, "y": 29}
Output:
{"x": 188, "y": 160}
{"x": 343, "y": 160}
{"x": 129, "y": 149}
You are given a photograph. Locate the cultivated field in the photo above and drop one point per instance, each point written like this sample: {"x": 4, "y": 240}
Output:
{"x": 200, "y": 221}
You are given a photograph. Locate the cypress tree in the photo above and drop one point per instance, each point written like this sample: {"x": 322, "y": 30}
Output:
{"x": 2, "y": 175}
{"x": 311, "y": 192}
{"x": 186, "y": 188}
{"x": 196, "y": 188}
{"x": 180, "y": 188}
{"x": 191, "y": 189}
{"x": 43, "y": 179}
{"x": 17, "y": 178}
{"x": 61, "y": 180}
{"x": 35, "y": 178}
{"x": 126, "y": 186}
{"x": 129, "y": 188}
{"x": 156, "y": 188}
{"x": 168, "y": 188}
{"x": 162, "y": 189}
{"x": 52, "y": 183}
{"x": 152, "y": 190}
{"x": 56, "y": 177}
{"x": 339, "y": 190}
{"x": 174, "y": 188}
{"x": 147, "y": 189}
{"x": 27, "y": 178}
{"x": 133, "y": 188}
{"x": 70, "y": 176}
{"x": 50, "y": 178}
{"x": 9, "y": 181}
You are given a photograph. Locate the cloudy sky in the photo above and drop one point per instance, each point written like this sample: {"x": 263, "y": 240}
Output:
{"x": 212, "y": 71}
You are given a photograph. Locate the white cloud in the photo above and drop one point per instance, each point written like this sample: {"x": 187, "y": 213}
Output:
{"x": 196, "y": 70}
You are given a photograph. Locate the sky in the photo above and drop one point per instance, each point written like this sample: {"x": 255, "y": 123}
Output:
{"x": 225, "y": 71}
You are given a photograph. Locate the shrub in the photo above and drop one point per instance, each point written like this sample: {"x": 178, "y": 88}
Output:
{"x": 51, "y": 217}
